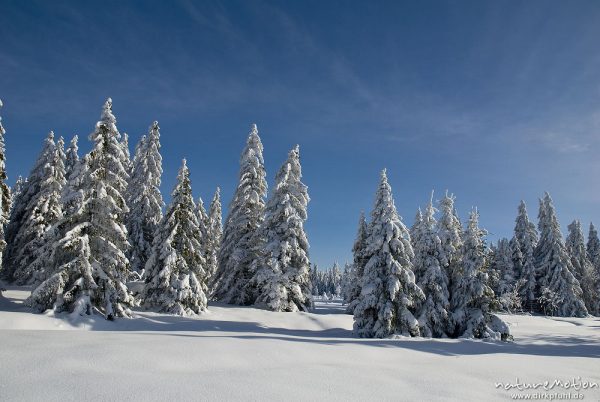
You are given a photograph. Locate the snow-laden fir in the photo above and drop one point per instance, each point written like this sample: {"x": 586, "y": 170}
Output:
{"x": 432, "y": 277}
{"x": 5, "y": 197}
{"x": 144, "y": 198}
{"x": 525, "y": 235}
{"x": 472, "y": 298}
{"x": 560, "y": 291}
{"x": 237, "y": 255}
{"x": 450, "y": 233}
{"x": 175, "y": 274}
{"x": 88, "y": 267}
{"x": 39, "y": 208}
{"x": 582, "y": 267}
{"x": 359, "y": 258}
{"x": 282, "y": 275}
{"x": 388, "y": 292}
{"x": 71, "y": 156}
{"x": 215, "y": 234}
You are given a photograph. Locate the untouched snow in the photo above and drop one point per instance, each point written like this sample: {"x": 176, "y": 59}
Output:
{"x": 235, "y": 353}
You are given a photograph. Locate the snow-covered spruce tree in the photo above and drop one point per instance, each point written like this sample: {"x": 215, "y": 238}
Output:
{"x": 501, "y": 274}
{"x": 582, "y": 267}
{"x": 202, "y": 216}
{"x": 215, "y": 233}
{"x": 144, "y": 198}
{"x": 431, "y": 277}
{"x": 5, "y": 199}
{"x": 348, "y": 278}
{"x": 415, "y": 229}
{"x": 175, "y": 274}
{"x": 389, "y": 292}
{"x": 593, "y": 247}
{"x": 526, "y": 236}
{"x": 89, "y": 266}
{"x": 593, "y": 254}
{"x": 336, "y": 279}
{"x": 561, "y": 290}
{"x": 449, "y": 231}
{"x": 71, "y": 156}
{"x": 43, "y": 210}
{"x": 517, "y": 258}
{"x": 282, "y": 277}
{"x": 359, "y": 253}
{"x": 67, "y": 282}
{"x": 16, "y": 191}
{"x": 105, "y": 208}
{"x": 505, "y": 267}
{"x": 473, "y": 301}
{"x": 126, "y": 161}
{"x": 315, "y": 280}
{"x": 237, "y": 255}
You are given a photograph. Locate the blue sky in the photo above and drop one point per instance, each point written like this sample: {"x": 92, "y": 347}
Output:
{"x": 495, "y": 101}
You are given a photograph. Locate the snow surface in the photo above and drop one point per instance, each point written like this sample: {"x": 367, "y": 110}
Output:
{"x": 242, "y": 353}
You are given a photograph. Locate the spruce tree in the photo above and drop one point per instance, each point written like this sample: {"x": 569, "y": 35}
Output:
{"x": 389, "y": 292}
{"x": 473, "y": 299}
{"x": 282, "y": 277}
{"x": 525, "y": 235}
{"x": 450, "y": 231}
{"x": 126, "y": 155}
{"x": 431, "y": 277}
{"x": 593, "y": 254}
{"x": 5, "y": 199}
{"x": 505, "y": 267}
{"x": 583, "y": 269}
{"x": 175, "y": 273}
{"x": 359, "y": 253}
{"x": 89, "y": 265}
{"x": 561, "y": 292}
{"x": 71, "y": 156}
{"x": 43, "y": 209}
{"x": 144, "y": 198}
{"x": 415, "y": 229}
{"x": 67, "y": 283}
{"x": 593, "y": 247}
{"x": 215, "y": 233}
{"x": 237, "y": 255}
{"x": 16, "y": 191}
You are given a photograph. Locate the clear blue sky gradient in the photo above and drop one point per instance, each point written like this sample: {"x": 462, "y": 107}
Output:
{"x": 496, "y": 101}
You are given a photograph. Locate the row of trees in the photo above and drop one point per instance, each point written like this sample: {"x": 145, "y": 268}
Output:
{"x": 78, "y": 229}
{"x": 439, "y": 279}
{"x": 544, "y": 273}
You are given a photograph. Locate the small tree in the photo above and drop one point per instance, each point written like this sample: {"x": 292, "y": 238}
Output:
{"x": 215, "y": 234}
{"x": 359, "y": 252}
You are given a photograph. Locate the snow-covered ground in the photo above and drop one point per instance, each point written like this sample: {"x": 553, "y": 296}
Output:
{"x": 235, "y": 353}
